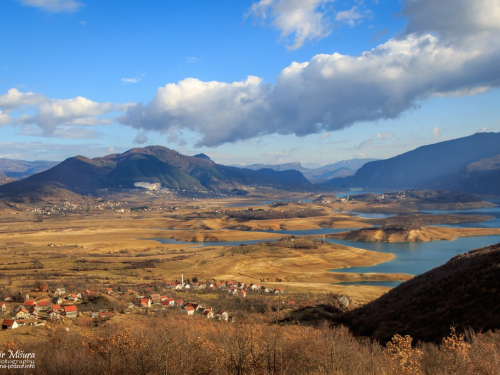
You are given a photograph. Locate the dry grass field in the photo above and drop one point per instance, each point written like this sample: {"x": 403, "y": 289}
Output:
{"x": 104, "y": 246}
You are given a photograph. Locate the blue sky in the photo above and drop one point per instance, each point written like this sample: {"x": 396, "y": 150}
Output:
{"x": 268, "y": 81}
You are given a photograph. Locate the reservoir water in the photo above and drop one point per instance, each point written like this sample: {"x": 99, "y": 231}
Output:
{"x": 411, "y": 258}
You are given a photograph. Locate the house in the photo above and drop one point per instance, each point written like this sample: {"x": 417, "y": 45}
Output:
{"x": 145, "y": 302}
{"x": 56, "y": 307}
{"x": 3, "y": 307}
{"x": 109, "y": 290}
{"x": 53, "y": 314}
{"x": 222, "y": 315}
{"x": 243, "y": 293}
{"x": 178, "y": 287}
{"x": 8, "y": 298}
{"x": 156, "y": 298}
{"x": 279, "y": 291}
{"x": 57, "y": 300}
{"x": 105, "y": 315}
{"x": 22, "y": 313}
{"x": 59, "y": 292}
{"x": 189, "y": 310}
{"x": 9, "y": 324}
{"x": 29, "y": 304}
{"x": 70, "y": 311}
{"x": 73, "y": 297}
{"x": 208, "y": 313}
{"x": 43, "y": 305}
{"x": 179, "y": 302}
{"x": 163, "y": 298}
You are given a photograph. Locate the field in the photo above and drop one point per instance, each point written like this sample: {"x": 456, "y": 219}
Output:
{"x": 119, "y": 245}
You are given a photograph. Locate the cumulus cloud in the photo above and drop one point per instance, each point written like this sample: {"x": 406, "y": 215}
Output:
{"x": 14, "y": 98}
{"x": 51, "y": 113}
{"x": 141, "y": 139}
{"x": 77, "y": 111}
{"x": 327, "y": 93}
{"x": 301, "y": 19}
{"x": 222, "y": 112}
{"x": 54, "y": 6}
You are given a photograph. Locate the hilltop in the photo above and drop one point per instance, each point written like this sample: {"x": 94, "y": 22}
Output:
{"x": 464, "y": 292}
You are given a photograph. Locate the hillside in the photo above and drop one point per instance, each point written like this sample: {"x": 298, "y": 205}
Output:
{"x": 151, "y": 164}
{"x": 463, "y": 292}
{"x": 437, "y": 166}
{"x": 481, "y": 177}
{"x": 409, "y": 232}
{"x": 22, "y": 169}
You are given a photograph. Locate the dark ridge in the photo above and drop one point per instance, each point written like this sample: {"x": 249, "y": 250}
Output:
{"x": 464, "y": 292}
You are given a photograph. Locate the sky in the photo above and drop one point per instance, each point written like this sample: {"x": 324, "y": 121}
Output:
{"x": 246, "y": 82}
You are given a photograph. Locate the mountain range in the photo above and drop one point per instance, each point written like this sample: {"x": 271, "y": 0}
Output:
{"x": 22, "y": 169}
{"x": 469, "y": 164}
{"x": 342, "y": 168}
{"x": 153, "y": 164}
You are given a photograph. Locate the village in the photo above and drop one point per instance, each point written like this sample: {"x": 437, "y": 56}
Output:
{"x": 58, "y": 306}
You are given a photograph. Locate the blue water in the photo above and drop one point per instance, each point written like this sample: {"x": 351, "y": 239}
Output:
{"x": 490, "y": 211}
{"x": 414, "y": 258}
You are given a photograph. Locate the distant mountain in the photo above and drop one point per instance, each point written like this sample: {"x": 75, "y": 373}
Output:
{"x": 481, "y": 177}
{"x": 22, "y": 169}
{"x": 317, "y": 175}
{"x": 463, "y": 293}
{"x": 153, "y": 164}
{"x": 459, "y": 164}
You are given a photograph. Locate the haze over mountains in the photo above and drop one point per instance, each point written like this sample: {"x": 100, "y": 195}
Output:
{"x": 22, "y": 169}
{"x": 342, "y": 168}
{"x": 470, "y": 164}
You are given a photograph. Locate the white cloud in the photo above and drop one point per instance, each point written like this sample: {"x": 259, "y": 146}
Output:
{"x": 51, "y": 113}
{"x": 4, "y": 118}
{"x": 302, "y": 19}
{"x": 132, "y": 80}
{"x": 328, "y": 93}
{"x": 14, "y": 98}
{"x": 385, "y": 136}
{"x": 222, "y": 112}
{"x": 351, "y": 16}
{"x": 77, "y": 111}
{"x": 54, "y": 6}
{"x": 436, "y": 132}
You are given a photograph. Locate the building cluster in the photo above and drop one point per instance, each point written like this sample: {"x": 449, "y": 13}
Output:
{"x": 23, "y": 310}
